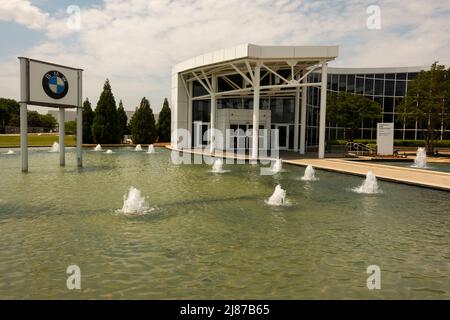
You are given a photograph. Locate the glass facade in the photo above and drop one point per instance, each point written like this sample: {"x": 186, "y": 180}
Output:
{"x": 388, "y": 89}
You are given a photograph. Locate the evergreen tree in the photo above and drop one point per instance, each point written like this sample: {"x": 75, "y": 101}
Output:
{"x": 123, "y": 119}
{"x": 143, "y": 128}
{"x": 105, "y": 127}
{"x": 88, "y": 119}
{"x": 163, "y": 127}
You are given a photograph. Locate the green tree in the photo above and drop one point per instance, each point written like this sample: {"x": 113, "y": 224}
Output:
{"x": 88, "y": 119}
{"x": 428, "y": 102}
{"x": 70, "y": 127}
{"x": 34, "y": 119}
{"x": 350, "y": 110}
{"x": 163, "y": 127}
{"x": 9, "y": 108}
{"x": 123, "y": 119}
{"x": 48, "y": 122}
{"x": 105, "y": 127}
{"x": 143, "y": 128}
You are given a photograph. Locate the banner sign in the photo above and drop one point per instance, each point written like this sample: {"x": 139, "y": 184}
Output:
{"x": 51, "y": 85}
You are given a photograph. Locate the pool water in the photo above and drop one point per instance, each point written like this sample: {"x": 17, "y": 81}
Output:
{"x": 212, "y": 236}
{"x": 433, "y": 166}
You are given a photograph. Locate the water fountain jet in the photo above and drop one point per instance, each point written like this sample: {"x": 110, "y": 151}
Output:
{"x": 151, "y": 149}
{"x": 134, "y": 202}
{"x": 310, "y": 174}
{"x": 218, "y": 166}
{"x": 369, "y": 186}
{"x": 421, "y": 158}
{"x": 277, "y": 166}
{"x": 278, "y": 198}
{"x": 138, "y": 148}
{"x": 55, "y": 147}
{"x": 98, "y": 148}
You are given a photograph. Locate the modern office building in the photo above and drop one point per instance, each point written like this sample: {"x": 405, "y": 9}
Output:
{"x": 277, "y": 87}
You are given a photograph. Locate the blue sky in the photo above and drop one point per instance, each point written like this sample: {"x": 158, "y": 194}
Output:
{"x": 134, "y": 43}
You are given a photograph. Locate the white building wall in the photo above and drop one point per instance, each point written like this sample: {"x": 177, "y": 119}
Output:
{"x": 179, "y": 111}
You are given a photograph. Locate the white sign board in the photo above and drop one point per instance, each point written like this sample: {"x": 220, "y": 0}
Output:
{"x": 385, "y": 139}
{"x": 51, "y": 85}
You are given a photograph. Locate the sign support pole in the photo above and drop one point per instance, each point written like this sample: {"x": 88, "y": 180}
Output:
{"x": 62, "y": 155}
{"x": 24, "y": 136}
{"x": 24, "y": 65}
{"x": 79, "y": 124}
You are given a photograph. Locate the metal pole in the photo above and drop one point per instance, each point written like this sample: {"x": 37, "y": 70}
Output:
{"x": 80, "y": 123}
{"x": 24, "y": 136}
{"x": 255, "y": 131}
{"x": 212, "y": 126}
{"x": 296, "y": 117}
{"x": 62, "y": 156}
{"x": 323, "y": 111}
{"x": 303, "y": 118}
{"x": 24, "y": 63}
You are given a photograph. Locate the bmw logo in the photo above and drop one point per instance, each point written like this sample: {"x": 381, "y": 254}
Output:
{"x": 55, "y": 84}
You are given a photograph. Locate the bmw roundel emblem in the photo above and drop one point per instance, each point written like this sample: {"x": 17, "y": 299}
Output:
{"x": 55, "y": 84}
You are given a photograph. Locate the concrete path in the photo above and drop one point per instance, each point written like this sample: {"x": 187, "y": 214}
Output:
{"x": 413, "y": 176}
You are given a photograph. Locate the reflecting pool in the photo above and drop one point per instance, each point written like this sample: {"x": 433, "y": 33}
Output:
{"x": 213, "y": 236}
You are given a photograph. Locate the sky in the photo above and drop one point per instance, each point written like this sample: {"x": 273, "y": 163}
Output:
{"x": 135, "y": 43}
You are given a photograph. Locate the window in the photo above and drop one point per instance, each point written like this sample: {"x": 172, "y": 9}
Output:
{"x": 388, "y": 117}
{"x": 400, "y": 87}
{"x": 359, "y": 85}
{"x": 390, "y": 75}
{"x": 342, "y": 82}
{"x": 379, "y": 86}
{"x": 368, "y": 87}
{"x": 282, "y": 110}
{"x": 351, "y": 83}
{"x": 401, "y": 76}
{"x": 379, "y": 76}
{"x": 201, "y": 110}
{"x": 230, "y": 103}
{"x": 334, "y": 82}
{"x": 412, "y": 75}
{"x": 198, "y": 89}
{"x": 388, "y": 104}
{"x": 389, "y": 86}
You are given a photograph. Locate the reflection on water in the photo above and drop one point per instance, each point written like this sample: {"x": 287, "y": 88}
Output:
{"x": 213, "y": 236}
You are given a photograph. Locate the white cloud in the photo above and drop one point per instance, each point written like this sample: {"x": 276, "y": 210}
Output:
{"x": 134, "y": 43}
{"x": 23, "y": 12}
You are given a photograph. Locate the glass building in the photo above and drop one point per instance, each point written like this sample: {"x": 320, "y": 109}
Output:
{"x": 387, "y": 86}
{"x": 219, "y": 91}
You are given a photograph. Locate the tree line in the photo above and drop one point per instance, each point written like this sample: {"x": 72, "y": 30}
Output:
{"x": 107, "y": 124}
{"x": 10, "y": 116}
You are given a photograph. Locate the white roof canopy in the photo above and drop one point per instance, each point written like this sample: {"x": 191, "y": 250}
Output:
{"x": 307, "y": 54}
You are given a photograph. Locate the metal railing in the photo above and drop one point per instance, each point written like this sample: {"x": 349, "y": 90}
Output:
{"x": 359, "y": 149}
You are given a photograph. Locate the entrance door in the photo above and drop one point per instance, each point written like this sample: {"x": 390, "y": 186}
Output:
{"x": 199, "y": 131}
{"x": 283, "y": 136}
{"x": 239, "y": 136}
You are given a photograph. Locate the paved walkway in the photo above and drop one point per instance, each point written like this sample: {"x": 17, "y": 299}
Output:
{"x": 412, "y": 176}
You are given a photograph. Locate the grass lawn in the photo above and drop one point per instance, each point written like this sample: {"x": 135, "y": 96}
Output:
{"x": 13, "y": 141}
